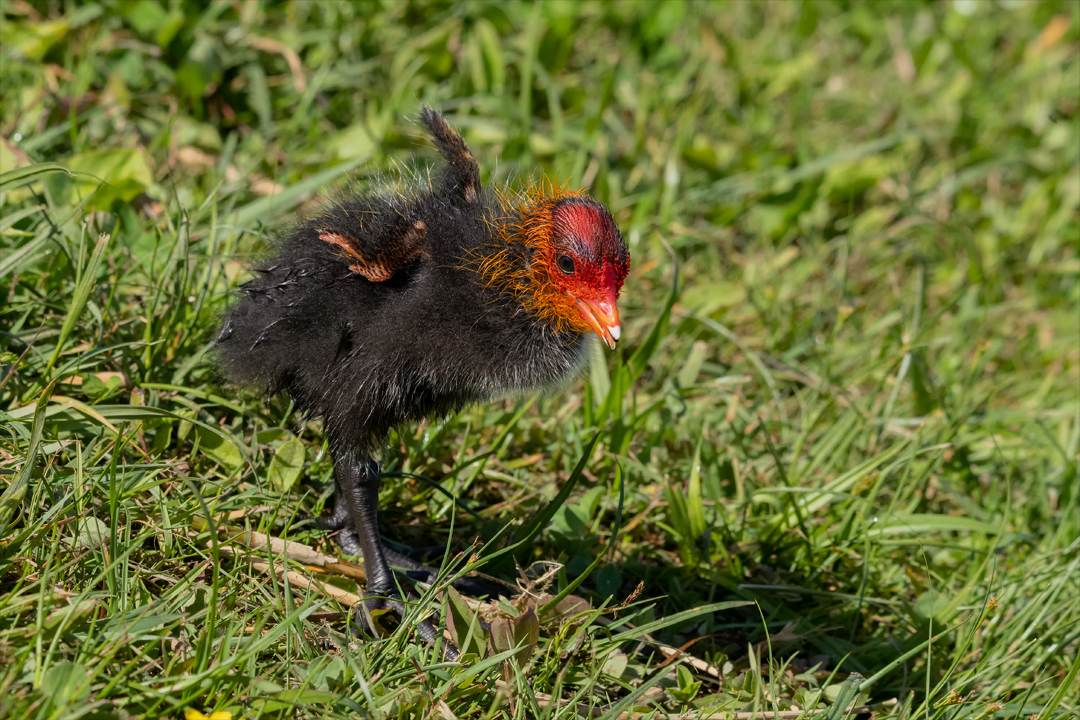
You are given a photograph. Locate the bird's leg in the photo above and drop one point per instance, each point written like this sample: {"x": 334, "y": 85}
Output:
{"x": 340, "y": 521}
{"x": 358, "y": 482}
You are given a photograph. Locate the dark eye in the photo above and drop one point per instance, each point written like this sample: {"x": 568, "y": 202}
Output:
{"x": 566, "y": 264}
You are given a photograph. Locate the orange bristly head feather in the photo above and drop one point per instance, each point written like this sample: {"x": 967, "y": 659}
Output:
{"x": 559, "y": 254}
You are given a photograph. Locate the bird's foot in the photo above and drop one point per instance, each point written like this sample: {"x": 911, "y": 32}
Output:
{"x": 349, "y": 541}
{"x": 418, "y": 571}
{"x": 378, "y": 603}
{"x": 338, "y": 521}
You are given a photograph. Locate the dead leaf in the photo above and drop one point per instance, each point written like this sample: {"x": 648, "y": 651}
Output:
{"x": 265, "y": 186}
{"x": 194, "y": 157}
{"x": 1052, "y": 33}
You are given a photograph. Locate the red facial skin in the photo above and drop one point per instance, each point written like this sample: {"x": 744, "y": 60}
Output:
{"x": 559, "y": 227}
{"x": 586, "y": 234}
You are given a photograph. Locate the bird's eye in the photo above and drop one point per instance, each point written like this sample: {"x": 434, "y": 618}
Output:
{"x": 566, "y": 264}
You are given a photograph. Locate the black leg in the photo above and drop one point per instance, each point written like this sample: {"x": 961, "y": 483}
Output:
{"x": 340, "y": 520}
{"x": 358, "y": 482}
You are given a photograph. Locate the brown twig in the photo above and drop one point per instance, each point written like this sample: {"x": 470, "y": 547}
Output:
{"x": 297, "y": 579}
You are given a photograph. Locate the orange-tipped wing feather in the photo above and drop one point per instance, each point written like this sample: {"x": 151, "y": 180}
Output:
{"x": 391, "y": 257}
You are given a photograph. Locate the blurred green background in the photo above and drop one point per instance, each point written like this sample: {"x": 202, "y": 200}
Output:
{"x": 847, "y": 393}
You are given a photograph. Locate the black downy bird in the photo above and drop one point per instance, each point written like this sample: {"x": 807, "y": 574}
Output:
{"x": 392, "y": 308}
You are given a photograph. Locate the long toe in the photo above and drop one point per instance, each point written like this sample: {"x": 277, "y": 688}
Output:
{"x": 414, "y": 570}
{"x": 418, "y": 571}
{"x": 478, "y": 587}
{"x": 337, "y": 520}
{"x": 373, "y": 611}
{"x": 346, "y": 537}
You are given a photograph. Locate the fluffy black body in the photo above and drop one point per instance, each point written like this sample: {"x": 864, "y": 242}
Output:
{"x": 369, "y": 356}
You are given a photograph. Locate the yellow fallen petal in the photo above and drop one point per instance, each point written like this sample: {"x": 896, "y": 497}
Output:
{"x": 190, "y": 714}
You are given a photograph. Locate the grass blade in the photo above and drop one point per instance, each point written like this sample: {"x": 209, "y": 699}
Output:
{"x": 13, "y": 495}
{"x": 600, "y": 557}
{"x": 24, "y": 176}
{"x": 11, "y": 261}
{"x": 88, "y": 279}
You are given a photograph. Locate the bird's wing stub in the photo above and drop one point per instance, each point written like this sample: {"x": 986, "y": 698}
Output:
{"x": 380, "y": 265}
{"x": 463, "y": 174}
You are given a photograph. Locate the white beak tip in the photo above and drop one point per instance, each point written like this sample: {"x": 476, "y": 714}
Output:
{"x": 616, "y": 332}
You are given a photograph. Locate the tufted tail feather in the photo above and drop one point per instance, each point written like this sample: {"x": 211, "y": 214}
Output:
{"x": 462, "y": 174}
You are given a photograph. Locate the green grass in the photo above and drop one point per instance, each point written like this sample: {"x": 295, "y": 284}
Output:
{"x": 858, "y": 413}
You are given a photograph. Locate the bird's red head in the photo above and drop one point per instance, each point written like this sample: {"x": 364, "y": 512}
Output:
{"x": 576, "y": 265}
{"x": 587, "y": 261}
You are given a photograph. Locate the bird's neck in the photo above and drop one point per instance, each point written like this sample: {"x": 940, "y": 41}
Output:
{"x": 515, "y": 260}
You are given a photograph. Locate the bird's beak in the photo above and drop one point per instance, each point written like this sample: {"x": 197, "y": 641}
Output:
{"x": 602, "y": 315}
